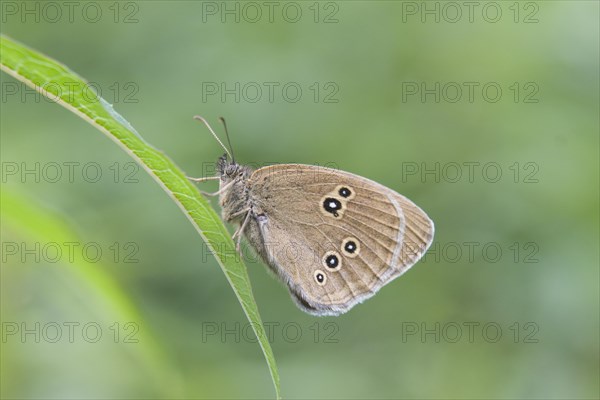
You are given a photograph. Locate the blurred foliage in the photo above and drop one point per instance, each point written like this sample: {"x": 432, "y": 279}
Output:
{"x": 157, "y": 70}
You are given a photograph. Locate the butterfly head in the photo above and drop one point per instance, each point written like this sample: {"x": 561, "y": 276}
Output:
{"x": 230, "y": 170}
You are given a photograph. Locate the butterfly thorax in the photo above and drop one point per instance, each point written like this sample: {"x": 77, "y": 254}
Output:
{"x": 234, "y": 189}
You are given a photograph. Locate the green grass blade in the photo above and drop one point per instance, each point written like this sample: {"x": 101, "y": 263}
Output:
{"x": 21, "y": 214}
{"x": 57, "y": 82}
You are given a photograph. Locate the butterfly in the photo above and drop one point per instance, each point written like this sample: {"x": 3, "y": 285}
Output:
{"x": 334, "y": 238}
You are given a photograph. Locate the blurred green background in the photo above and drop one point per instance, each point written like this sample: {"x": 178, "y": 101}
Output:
{"x": 506, "y": 303}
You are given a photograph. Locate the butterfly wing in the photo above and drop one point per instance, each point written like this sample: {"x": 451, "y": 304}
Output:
{"x": 335, "y": 238}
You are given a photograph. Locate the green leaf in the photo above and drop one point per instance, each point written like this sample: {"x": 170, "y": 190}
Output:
{"x": 71, "y": 91}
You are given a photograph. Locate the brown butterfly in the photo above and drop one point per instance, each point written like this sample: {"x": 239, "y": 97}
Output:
{"x": 334, "y": 238}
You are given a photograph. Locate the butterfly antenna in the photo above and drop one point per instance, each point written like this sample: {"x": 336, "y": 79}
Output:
{"x": 227, "y": 136}
{"x": 199, "y": 118}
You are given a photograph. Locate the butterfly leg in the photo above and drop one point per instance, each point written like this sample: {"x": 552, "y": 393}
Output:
{"x": 206, "y": 178}
{"x": 240, "y": 230}
{"x": 218, "y": 192}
